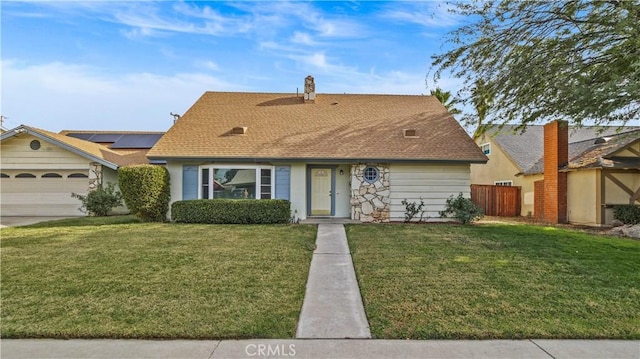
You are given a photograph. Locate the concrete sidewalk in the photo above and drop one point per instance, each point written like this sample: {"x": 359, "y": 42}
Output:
{"x": 345, "y": 348}
{"x": 332, "y": 306}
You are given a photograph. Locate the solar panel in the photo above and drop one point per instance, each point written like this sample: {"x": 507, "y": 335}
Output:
{"x": 82, "y": 136}
{"x": 146, "y": 140}
{"x": 105, "y": 137}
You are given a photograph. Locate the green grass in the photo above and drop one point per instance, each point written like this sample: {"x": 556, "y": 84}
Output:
{"x": 85, "y": 221}
{"x": 496, "y": 281}
{"x": 89, "y": 279}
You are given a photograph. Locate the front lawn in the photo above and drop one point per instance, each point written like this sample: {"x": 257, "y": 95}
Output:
{"x": 496, "y": 281}
{"x": 145, "y": 280}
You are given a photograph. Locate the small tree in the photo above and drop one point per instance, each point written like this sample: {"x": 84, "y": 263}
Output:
{"x": 411, "y": 209}
{"x": 446, "y": 100}
{"x": 100, "y": 201}
{"x": 146, "y": 192}
{"x": 462, "y": 209}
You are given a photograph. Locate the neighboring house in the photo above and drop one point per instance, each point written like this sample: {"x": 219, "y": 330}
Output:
{"x": 596, "y": 168}
{"x": 133, "y": 145}
{"x": 331, "y": 155}
{"x": 40, "y": 169}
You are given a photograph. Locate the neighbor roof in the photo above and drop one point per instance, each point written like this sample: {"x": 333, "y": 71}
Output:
{"x": 335, "y": 127}
{"x": 90, "y": 150}
{"x": 526, "y": 149}
{"x": 118, "y": 139}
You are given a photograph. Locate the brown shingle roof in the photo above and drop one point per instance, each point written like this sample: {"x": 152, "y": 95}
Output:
{"x": 358, "y": 127}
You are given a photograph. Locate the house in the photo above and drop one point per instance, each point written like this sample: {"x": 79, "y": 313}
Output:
{"x": 131, "y": 144}
{"x": 40, "y": 169}
{"x": 332, "y": 155}
{"x": 566, "y": 174}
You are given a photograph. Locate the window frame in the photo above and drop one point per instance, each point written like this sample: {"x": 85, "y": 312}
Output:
{"x": 258, "y": 176}
{"x": 488, "y": 151}
{"x": 503, "y": 183}
{"x": 364, "y": 174}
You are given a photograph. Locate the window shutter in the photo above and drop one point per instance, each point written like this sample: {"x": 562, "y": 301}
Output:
{"x": 189, "y": 182}
{"x": 283, "y": 182}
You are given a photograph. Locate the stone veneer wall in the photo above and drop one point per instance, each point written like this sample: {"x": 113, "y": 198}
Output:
{"x": 370, "y": 202}
{"x": 95, "y": 176}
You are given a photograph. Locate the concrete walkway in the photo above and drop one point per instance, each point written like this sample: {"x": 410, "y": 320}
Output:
{"x": 332, "y": 306}
{"x": 345, "y": 348}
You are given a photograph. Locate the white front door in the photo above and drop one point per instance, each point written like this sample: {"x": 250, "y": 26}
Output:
{"x": 321, "y": 191}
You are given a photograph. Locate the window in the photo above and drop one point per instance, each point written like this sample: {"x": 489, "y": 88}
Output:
{"x": 371, "y": 174}
{"x": 205, "y": 183}
{"x": 503, "y": 183}
{"x": 486, "y": 148}
{"x": 25, "y": 175}
{"x": 236, "y": 182}
{"x": 77, "y": 175}
{"x": 35, "y": 145}
{"x": 51, "y": 175}
{"x": 4, "y": 175}
{"x": 265, "y": 183}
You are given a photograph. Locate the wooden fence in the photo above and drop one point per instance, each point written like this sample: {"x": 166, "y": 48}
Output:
{"x": 502, "y": 201}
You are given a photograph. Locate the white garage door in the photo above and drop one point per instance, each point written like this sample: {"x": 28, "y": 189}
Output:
{"x": 42, "y": 193}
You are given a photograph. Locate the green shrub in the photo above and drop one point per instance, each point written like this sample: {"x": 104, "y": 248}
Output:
{"x": 232, "y": 211}
{"x": 145, "y": 189}
{"x": 627, "y": 213}
{"x": 462, "y": 209}
{"x": 411, "y": 209}
{"x": 100, "y": 201}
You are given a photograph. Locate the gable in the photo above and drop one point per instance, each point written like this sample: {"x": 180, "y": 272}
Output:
{"x": 499, "y": 166}
{"x": 17, "y": 153}
{"x": 89, "y": 150}
{"x": 630, "y": 150}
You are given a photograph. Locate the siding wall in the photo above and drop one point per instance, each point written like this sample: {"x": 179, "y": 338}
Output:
{"x": 40, "y": 196}
{"x": 16, "y": 154}
{"x": 433, "y": 183}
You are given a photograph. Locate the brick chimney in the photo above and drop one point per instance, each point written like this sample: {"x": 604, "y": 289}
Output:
{"x": 556, "y": 156}
{"x": 309, "y": 90}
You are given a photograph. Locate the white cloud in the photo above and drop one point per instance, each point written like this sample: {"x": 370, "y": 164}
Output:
{"x": 58, "y": 96}
{"x": 210, "y": 65}
{"x": 430, "y": 14}
{"x": 303, "y": 38}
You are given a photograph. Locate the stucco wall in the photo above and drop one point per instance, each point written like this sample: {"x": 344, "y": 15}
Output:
{"x": 582, "y": 197}
{"x": 526, "y": 182}
{"x": 498, "y": 168}
{"x": 501, "y": 168}
{"x": 298, "y": 189}
{"x": 175, "y": 175}
{"x": 343, "y": 192}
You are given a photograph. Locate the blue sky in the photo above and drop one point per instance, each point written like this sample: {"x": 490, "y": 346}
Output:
{"x": 122, "y": 65}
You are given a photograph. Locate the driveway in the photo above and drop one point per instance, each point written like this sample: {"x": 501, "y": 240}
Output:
{"x": 23, "y": 221}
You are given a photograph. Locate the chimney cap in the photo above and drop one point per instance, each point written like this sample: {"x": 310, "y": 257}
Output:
{"x": 309, "y": 89}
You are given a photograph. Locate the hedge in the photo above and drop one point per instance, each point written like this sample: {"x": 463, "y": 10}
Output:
{"x": 145, "y": 190}
{"x": 627, "y": 213}
{"x": 232, "y": 211}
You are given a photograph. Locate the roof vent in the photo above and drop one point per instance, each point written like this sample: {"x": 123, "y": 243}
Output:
{"x": 410, "y": 133}
{"x": 601, "y": 140}
{"x": 239, "y": 130}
